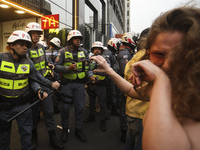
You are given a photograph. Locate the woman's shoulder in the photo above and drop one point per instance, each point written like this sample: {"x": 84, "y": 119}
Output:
{"x": 192, "y": 129}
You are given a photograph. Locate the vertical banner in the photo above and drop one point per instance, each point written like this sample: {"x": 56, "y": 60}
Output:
{"x": 50, "y": 21}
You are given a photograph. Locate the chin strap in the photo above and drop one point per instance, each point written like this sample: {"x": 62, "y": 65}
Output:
{"x": 19, "y": 56}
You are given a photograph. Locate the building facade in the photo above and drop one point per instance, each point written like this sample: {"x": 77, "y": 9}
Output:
{"x": 96, "y": 19}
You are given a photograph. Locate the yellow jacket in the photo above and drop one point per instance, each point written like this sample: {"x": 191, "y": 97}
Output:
{"x": 134, "y": 107}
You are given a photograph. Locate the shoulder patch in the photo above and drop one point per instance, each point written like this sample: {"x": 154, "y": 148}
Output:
{"x": 107, "y": 56}
{"x": 57, "y": 59}
{"x": 24, "y": 68}
{"x": 125, "y": 56}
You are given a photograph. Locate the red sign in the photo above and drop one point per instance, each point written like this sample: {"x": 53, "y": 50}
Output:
{"x": 50, "y": 21}
{"x": 118, "y": 36}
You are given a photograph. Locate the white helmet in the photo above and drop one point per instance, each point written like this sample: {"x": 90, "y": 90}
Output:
{"x": 55, "y": 41}
{"x": 113, "y": 43}
{"x": 74, "y": 33}
{"x": 97, "y": 44}
{"x": 43, "y": 43}
{"x": 33, "y": 26}
{"x": 105, "y": 48}
{"x": 127, "y": 38}
{"x": 20, "y": 35}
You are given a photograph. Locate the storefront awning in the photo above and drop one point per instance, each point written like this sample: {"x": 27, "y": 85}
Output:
{"x": 8, "y": 14}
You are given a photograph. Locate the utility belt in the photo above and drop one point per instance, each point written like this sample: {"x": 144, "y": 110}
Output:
{"x": 8, "y": 103}
{"x": 65, "y": 81}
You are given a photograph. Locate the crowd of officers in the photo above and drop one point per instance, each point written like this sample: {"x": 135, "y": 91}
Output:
{"x": 30, "y": 72}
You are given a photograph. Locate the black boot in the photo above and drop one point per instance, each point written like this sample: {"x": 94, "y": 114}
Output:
{"x": 89, "y": 119}
{"x": 34, "y": 139}
{"x": 54, "y": 141}
{"x": 80, "y": 135}
{"x": 103, "y": 125}
{"x": 114, "y": 111}
{"x": 64, "y": 135}
{"x": 107, "y": 117}
{"x": 123, "y": 135}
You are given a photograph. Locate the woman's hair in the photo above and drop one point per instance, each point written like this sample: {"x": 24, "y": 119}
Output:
{"x": 184, "y": 59}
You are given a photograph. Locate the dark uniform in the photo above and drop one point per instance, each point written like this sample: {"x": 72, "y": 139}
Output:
{"x": 40, "y": 61}
{"x": 52, "y": 53}
{"x": 111, "y": 94}
{"x": 72, "y": 83}
{"x": 123, "y": 57}
{"x": 14, "y": 87}
{"x": 97, "y": 89}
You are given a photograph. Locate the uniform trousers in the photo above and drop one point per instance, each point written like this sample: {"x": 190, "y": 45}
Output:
{"x": 76, "y": 93}
{"x": 24, "y": 122}
{"x": 98, "y": 91}
{"x": 46, "y": 106}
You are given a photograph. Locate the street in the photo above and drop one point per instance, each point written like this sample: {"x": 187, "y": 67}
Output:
{"x": 97, "y": 140}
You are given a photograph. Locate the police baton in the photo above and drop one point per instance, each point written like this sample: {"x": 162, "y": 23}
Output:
{"x": 60, "y": 92}
{"x": 37, "y": 101}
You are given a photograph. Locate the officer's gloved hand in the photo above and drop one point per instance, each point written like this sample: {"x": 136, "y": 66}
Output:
{"x": 55, "y": 85}
{"x": 94, "y": 79}
{"x": 73, "y": 66}
{"x": 42, "y": 95}
{"x": 51, "y": 66}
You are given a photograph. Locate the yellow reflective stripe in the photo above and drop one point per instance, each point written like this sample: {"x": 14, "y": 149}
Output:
{"x": 7, "y": 67}
{"x": 11, "y": 96}
{"x": 33, "y": 54}
{"x": 74, "y": 75}
{"x": 86, "y": 68}
{"x": 70, "y": 76}
{"x": 47, "y": 72}
{"x": 40, "y": 52}
{"x": 81, "y": 54}
{"x": 68, "y": 55}
{"x": 100, "y": 77}
{"x": 6, "y": 84}
{"x": 42, "y": 64}
{"x": 19, "y": 84}
{"x": 37, "y": 66}
{"x": 81, "y": 75}
{"x": 79, "y": 65}
{"x": 67, "y": 63}
{"x": 23, "y": 69}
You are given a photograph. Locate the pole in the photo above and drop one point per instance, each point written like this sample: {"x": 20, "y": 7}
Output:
{"x": 15, "y": 116}
{"x": 60, "y": 92}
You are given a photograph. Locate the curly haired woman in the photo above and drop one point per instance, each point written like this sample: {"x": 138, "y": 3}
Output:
{"x": 173, "y": 47}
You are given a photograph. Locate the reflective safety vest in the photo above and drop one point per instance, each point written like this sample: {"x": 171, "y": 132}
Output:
{"x": 94, "y": 65}
{"x": 80, "y": 72}
{"x": 13, "y": 81}
{"x": 38, "y": 58}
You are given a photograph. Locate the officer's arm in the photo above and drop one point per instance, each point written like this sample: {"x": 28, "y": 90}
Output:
{"x": 47, "y": 59}
{"x": 42, "y": 78}
{"x": 59, "y": 68}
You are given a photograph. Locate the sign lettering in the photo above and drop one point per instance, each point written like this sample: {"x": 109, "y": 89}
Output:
{"x": 50, "y": 21}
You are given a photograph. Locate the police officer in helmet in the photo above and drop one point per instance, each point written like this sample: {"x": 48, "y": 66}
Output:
{"x": 71, "y": 62}
{"x": 44, "y": 67}
{"x": 97, "y": 89}
{"x": 15, "y": 71}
